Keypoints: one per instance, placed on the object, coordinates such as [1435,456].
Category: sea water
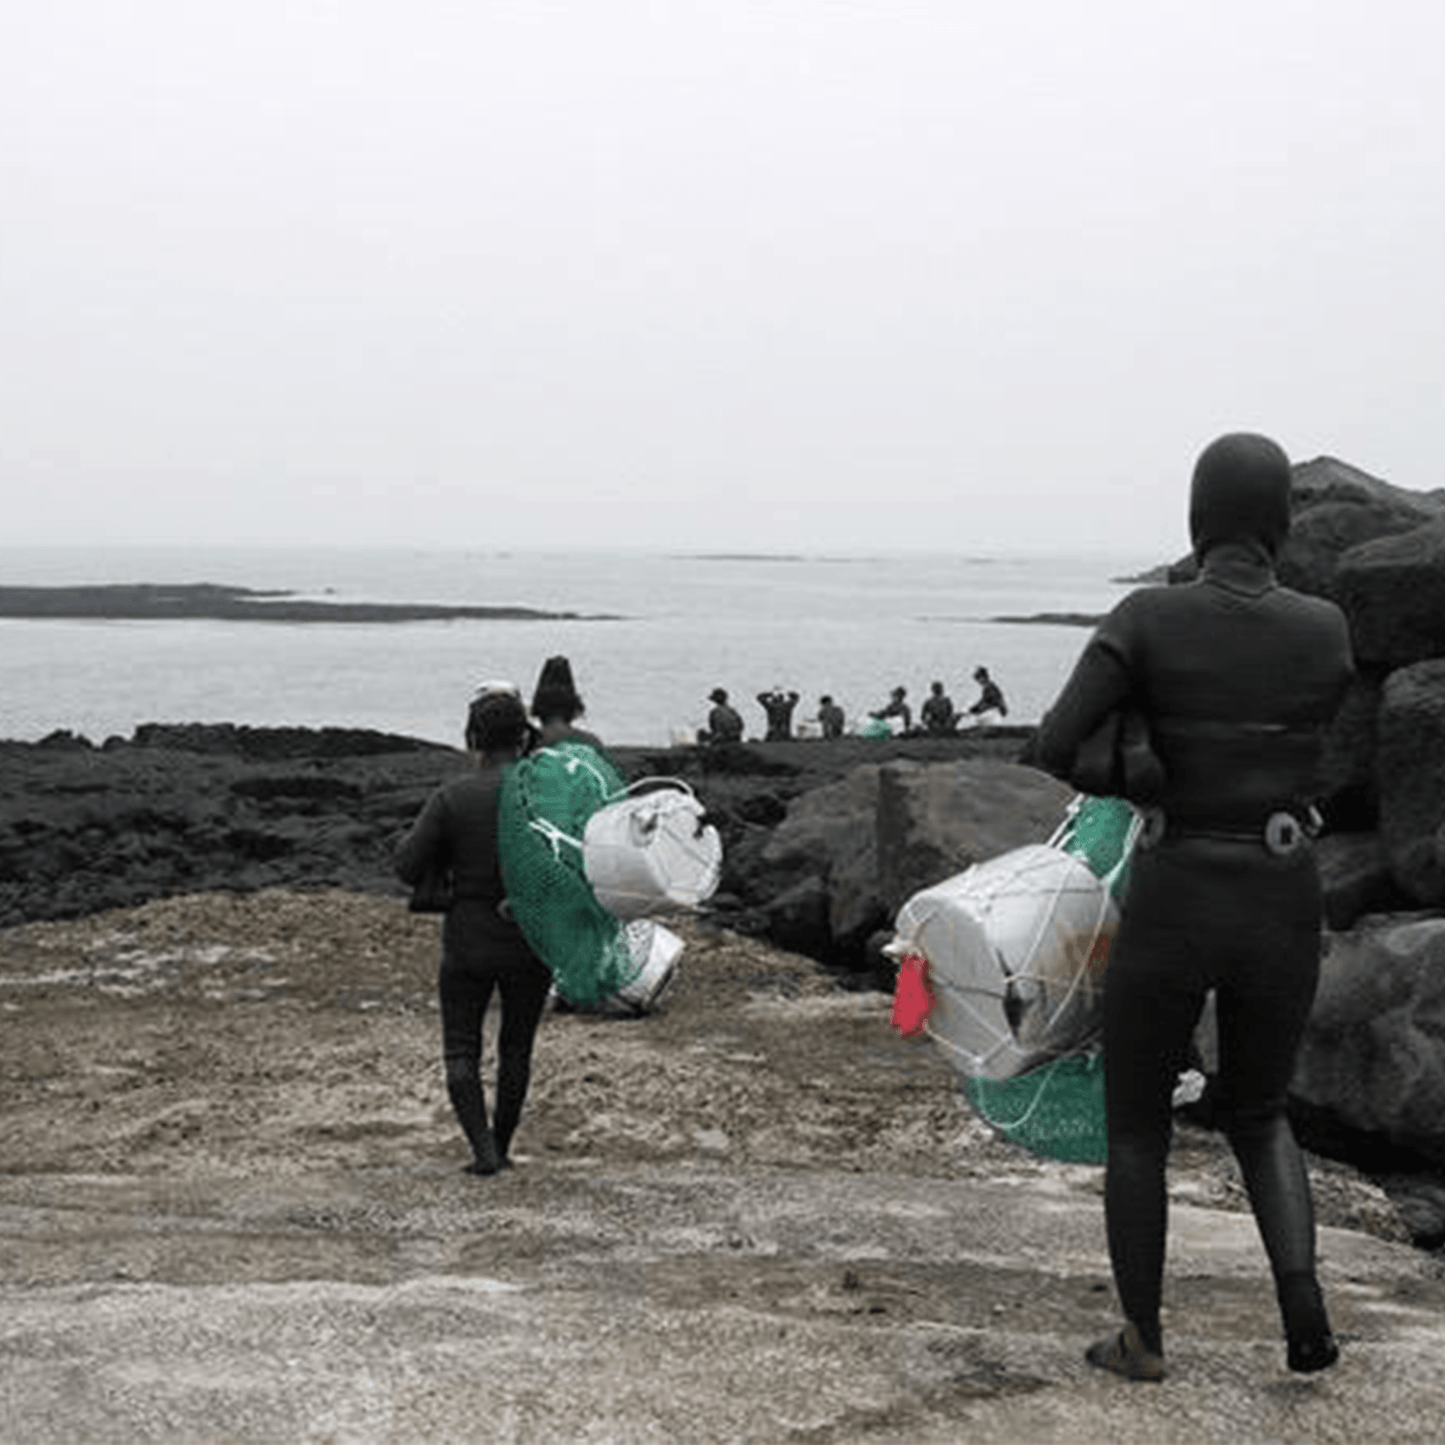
[659,632]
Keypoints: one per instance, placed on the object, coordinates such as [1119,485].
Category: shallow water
[680,626]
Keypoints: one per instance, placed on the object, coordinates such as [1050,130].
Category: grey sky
[829,276]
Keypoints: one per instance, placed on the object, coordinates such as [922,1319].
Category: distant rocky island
[148,601]
[1058,619]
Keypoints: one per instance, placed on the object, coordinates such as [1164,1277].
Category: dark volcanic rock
[1355,878]
[206,599]
[935,820]
[192,808]
[277,744]
[1347,769]
[1338,507]
[1411,768]
[1393,591]
[835,870]
[1371,1056]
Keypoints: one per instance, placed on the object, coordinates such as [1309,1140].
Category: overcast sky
[757,274]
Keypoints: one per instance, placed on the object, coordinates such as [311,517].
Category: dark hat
[556,693]
[718,694]
[495,719]
[979,673]
[1240,493]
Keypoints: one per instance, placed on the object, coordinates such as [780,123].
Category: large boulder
[849,854]
[936,820]
[1347,779]
[1410,767]
[1337,507]
[828,836]
[1355,878]
[1393,591]
[1373,1059]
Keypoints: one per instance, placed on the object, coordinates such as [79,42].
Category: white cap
[496,685]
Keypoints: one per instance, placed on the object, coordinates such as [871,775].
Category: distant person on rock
[896,707]
[557,706]
[830,717]
[482,948]
[1236,679]
[938,714]
[724,721]
[990,697]
[778,705]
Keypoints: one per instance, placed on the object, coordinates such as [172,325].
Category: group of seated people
[937,718]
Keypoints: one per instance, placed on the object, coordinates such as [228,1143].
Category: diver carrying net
[545,801]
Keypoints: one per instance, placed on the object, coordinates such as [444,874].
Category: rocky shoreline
[822,842]
[187,808]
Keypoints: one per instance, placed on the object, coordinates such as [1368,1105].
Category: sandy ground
[227,1161]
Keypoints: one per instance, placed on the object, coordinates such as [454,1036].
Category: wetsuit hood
[1240,493]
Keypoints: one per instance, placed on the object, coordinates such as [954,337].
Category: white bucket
[657,949]
[648,853]
[1016,949]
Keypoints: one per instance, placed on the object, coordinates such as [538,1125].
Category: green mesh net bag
[1101,831]
[543,806]
[1055,1110]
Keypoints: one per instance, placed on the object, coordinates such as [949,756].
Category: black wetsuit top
[725,724]
[1237,678]
[458,830]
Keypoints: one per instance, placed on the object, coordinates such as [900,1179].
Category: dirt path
[231,1208]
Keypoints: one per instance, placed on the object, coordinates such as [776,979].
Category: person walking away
[778,705]
[990,697]
[830,717]
[938,714]
[483,950]
[1236,678]
[724,721]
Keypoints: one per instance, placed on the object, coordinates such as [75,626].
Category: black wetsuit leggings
[1225,915]
[466,990]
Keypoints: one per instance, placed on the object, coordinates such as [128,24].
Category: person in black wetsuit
[779,705]
[896,706]
[1236,678]
[830,717]
[724,721]
[482,948]
[939,716]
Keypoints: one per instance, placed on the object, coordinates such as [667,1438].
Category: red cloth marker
[912,996]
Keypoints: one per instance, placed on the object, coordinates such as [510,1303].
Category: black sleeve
[424,843]
[1100,682]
